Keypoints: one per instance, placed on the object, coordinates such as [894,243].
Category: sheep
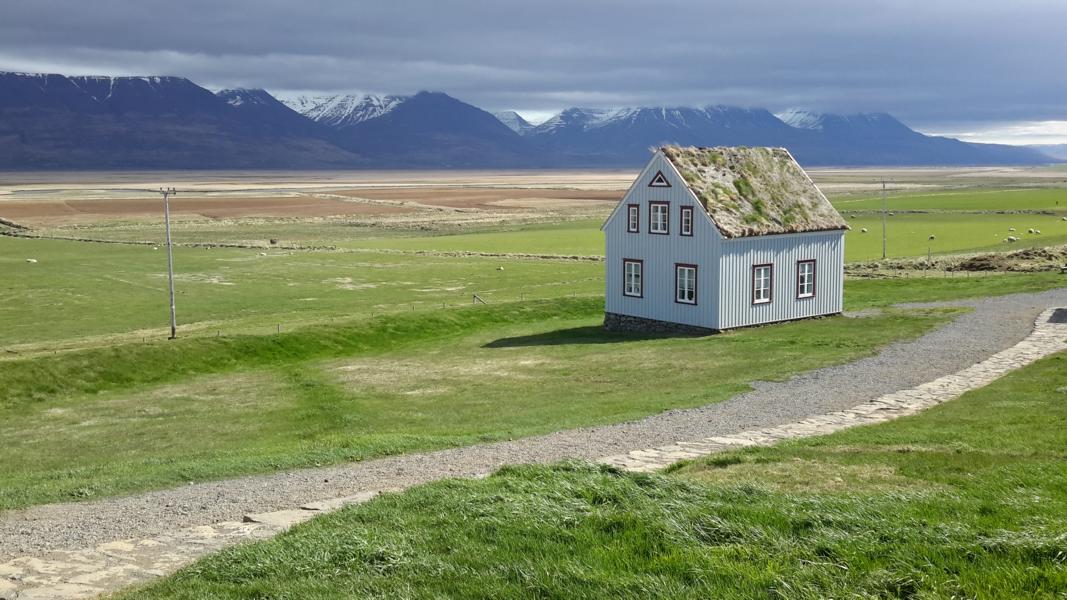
[1065,218]
[31,260]
[932,237]
[1037,231]
[1011,230]
[155,247]
[1030,231]
[1012,239]
[864,230]
[262,253]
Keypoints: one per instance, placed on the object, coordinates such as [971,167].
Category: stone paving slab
[122,563]
[114,565]
[1049,337]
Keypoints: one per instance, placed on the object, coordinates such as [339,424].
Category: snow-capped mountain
[623,135]
[800,118]
[514,121]
[256,106]
[343,110]
[813,121]
[433,129]
[52,121]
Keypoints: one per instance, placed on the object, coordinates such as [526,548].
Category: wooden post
[167,193]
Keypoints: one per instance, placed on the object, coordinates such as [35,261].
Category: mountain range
[59,122]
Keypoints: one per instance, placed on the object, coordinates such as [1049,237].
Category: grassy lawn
[1050,199]
[80,295]
[582,238]
[908,233]
[75,290]
[966,500]
[95,423]
[866,293]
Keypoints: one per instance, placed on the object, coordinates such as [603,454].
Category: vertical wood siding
[782,251]
[661,252]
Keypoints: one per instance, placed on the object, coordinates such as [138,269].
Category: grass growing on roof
[771,194]
[966,500]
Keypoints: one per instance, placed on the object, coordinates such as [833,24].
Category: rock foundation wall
[627,323]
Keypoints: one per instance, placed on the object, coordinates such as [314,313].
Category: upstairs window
[633,218]
[805,279]
[659,214]
[762,283]
[685,220]
[631,277]
[685,284]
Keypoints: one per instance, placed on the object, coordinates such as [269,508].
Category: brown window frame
[814,278]
[640,263]
[636,208]
[651,206]
[696,273]
[681,221]
[770,287]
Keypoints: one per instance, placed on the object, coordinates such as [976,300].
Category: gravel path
[995,324]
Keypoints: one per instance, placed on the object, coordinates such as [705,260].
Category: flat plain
[327,317]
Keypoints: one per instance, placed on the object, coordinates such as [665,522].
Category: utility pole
[167,193]
[885,211]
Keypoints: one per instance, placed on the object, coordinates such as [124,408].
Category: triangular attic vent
[659,180]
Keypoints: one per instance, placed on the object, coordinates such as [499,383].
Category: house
[708,239]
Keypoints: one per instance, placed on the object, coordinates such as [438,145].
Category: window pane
[761,284]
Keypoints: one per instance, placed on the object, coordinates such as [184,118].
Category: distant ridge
[50,121]
[1057,151]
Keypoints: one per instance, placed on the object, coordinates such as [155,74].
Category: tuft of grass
[977,509]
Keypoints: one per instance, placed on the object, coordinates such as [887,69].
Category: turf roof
[754,191]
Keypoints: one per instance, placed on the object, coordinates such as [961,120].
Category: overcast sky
[990,70]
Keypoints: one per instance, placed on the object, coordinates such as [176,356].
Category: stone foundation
[631,324]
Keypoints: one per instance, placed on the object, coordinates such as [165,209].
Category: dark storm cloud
[930,62]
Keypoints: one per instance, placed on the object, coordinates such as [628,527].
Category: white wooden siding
[661,252]
[782,251]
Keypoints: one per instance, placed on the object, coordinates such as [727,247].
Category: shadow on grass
[580,335]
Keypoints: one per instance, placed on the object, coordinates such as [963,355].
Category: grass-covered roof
[754,191]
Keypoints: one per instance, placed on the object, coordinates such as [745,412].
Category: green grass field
[149,416]
[582,238]
[76,290]
[975,199]
[908,234]
[966,500]
[83,295]
[296,358]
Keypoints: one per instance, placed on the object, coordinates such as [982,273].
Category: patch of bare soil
[57,212]
[488,198]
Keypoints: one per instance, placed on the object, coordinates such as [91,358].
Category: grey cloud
[932,63]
